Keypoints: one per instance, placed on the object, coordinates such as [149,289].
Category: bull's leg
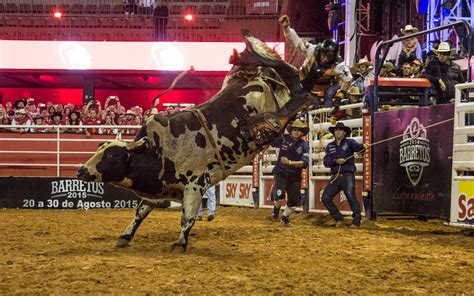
[191,201]
[143,209]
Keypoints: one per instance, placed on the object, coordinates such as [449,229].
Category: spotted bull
[177,157]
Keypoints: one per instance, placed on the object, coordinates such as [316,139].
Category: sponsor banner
[62,193]
[412,171]
[236,191]
[465,202]
[367,153]
[339,200]
[255,171]
[261,6]
[267,193]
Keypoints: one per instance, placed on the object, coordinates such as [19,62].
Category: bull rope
[383,141]
[173,84]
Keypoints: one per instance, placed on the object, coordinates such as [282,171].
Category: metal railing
[59,131]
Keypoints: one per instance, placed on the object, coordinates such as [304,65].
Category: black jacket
[450,73]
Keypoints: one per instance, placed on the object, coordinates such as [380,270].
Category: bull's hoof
[178,248]
[122,243]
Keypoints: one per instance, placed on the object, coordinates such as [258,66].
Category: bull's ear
[140,144]
[119,136]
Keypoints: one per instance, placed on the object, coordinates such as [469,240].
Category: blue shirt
[345,149]
[294,151]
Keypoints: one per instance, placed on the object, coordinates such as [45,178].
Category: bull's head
[111,162]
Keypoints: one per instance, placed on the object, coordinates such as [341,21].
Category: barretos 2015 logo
[414,151]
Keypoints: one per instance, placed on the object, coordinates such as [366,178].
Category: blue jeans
[211,202]
[346,183]
[329,94]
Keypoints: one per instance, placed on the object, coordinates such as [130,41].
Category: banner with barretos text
[412,172]
[62,193]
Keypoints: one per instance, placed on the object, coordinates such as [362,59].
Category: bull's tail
[173,84]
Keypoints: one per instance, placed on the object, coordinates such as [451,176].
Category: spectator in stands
[443,74]
[120,118]
[56,119]
[323,68]
[211,205]
[417,66]
[108,122]
[292,158]
[431,55]
[19,104]
[407,71]
[74,119]
[130,7]
[51,110]
[363,70]
[409,46]
[145,6]
[30,106]
[112,101]
[46,116]
[19,120]
[387,70]
[355,96]
[67,112]
[160,14]
[92,119]
[60,108]
[339,157]
[129,119]
[8,106]
[38,120]
[3,118]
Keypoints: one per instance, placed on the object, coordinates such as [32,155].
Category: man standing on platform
[340,158]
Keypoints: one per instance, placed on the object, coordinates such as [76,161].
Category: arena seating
[212,16]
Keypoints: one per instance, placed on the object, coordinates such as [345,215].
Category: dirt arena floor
[240,252]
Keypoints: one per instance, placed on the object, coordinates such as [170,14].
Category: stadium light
[189,17]
[58,14]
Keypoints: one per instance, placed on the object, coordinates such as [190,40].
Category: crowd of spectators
[436,65]
[23,115]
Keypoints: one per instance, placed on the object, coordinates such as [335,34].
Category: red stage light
[189,17]
[58,14]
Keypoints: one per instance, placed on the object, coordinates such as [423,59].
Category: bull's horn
[235,57]
[119,136]
[138,144]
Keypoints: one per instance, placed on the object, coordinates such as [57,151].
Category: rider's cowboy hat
[298,124]
[443,47]
[340,125]
[409,29]
[364,61]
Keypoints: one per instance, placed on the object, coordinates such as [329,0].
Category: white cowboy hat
[364,61]
[355,91]
[409,29]
[130,112]
[388,65]
[443,47]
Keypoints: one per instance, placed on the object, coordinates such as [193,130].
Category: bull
[177,157]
